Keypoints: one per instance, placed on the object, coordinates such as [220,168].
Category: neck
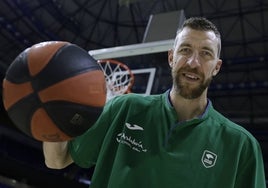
[188,108]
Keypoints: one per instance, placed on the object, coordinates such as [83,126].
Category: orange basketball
[54,91]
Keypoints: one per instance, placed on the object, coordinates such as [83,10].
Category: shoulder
[230,127]
[135,99]
[133,104]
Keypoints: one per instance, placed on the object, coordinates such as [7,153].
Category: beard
[186,89]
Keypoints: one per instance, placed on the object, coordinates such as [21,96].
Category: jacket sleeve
[251,168]
[84,149]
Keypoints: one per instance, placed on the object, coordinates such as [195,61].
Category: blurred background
[240,91]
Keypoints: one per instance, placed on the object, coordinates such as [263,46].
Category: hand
[56,154]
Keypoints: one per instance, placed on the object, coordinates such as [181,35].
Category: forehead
[197,38]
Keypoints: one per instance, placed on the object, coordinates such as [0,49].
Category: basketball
[54,91]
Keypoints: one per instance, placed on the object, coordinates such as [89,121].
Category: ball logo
[77,119]
[209,159]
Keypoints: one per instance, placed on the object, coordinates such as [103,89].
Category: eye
[206,54]
[184,51]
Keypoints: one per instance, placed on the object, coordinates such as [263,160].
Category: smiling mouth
[190,77]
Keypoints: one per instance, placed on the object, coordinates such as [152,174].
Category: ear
[170,57]
[218,67]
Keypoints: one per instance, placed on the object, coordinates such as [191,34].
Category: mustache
[190,70]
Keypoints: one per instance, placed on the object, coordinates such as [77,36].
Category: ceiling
[98,24]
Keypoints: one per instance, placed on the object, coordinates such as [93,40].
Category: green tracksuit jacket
[138,142]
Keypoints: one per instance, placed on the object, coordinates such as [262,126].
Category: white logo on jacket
[129,140]
[209,159]
[134,127]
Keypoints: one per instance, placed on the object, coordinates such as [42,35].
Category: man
[175,139]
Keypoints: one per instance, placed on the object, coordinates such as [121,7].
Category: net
[119,78]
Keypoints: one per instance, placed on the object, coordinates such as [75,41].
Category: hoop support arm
[132,50]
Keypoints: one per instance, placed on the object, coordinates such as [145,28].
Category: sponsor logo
[134,127]
[134,144]
[209,159]
[129,140]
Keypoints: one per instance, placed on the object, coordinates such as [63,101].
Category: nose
[193,61]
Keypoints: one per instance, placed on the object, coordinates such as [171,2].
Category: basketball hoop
[119,78]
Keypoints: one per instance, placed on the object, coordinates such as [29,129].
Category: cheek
[178,61]
[211,72]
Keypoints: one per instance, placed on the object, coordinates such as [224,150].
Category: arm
[251,173]
[56,154]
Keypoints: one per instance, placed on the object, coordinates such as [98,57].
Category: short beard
[185,90]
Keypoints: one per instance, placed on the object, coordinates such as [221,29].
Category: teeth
[191,76]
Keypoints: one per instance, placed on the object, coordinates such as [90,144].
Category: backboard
[145,76]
